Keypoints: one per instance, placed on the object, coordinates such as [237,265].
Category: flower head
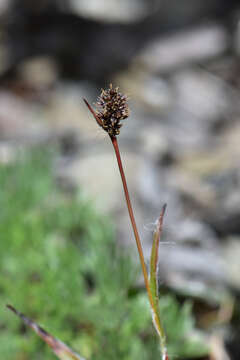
[112,108]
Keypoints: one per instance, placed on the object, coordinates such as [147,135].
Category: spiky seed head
[112,108]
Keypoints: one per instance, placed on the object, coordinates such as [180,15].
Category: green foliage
[184,340]
[59,264]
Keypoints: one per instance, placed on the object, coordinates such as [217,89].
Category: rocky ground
[180,145]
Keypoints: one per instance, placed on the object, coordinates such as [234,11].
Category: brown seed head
[112,108]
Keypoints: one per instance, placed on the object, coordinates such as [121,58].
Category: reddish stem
[137,237]
[132,218]
[130,210]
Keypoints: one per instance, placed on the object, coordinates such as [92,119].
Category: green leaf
[183,337]
[154,257]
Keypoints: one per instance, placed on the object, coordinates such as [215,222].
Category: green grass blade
[62,351]
[153,283]
[154,256]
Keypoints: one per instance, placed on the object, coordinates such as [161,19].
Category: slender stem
[156,317]
[154,307]
[137,237]
[130,210]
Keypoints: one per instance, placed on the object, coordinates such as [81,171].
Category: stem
[130,211]
[140,251]
[153,304]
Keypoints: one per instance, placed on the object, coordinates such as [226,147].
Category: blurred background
[65,234]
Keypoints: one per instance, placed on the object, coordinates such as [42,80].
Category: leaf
[62,351]
[153,285]
[154,257]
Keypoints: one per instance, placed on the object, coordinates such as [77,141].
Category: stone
[184,47]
